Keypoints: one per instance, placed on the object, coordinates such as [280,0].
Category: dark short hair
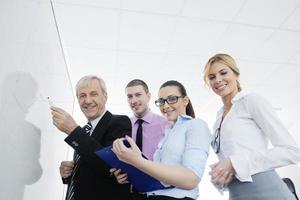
[136,82]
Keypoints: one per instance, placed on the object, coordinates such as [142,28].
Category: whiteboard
[32,68]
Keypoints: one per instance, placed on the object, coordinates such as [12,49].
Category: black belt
[136,195]
[162,197]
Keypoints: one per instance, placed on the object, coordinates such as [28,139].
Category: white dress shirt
[95,122]
[245,132]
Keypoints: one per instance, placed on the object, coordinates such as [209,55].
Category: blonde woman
[244,126]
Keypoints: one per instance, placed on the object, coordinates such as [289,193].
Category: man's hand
[63,120]
[66,168]
[121,177]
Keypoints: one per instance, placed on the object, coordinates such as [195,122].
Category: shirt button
[75,143]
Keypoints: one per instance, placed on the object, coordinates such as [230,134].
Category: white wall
[32,68]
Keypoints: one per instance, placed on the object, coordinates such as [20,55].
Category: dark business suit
[92,180]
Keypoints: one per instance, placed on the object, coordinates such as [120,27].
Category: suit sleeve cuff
[66,180]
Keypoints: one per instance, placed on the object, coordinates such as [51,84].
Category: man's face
[92,100]
[138,100]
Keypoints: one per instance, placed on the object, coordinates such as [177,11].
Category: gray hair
[86,80]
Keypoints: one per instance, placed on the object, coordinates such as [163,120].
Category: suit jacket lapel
[102,126]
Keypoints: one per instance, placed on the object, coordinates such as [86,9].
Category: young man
[88,177]
[138,97]
[152,125]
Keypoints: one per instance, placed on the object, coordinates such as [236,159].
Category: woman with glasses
[180,158]
[244,126]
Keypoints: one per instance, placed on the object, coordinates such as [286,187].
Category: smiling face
[172,111]
[91,99]
[138,100]
[222,80]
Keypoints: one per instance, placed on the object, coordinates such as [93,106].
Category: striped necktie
[76,157]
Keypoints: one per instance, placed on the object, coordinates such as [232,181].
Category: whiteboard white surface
[32,67]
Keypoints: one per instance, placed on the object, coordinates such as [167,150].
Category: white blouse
[245,132]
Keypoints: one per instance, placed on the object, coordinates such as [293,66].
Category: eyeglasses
[169,100]
[216,142]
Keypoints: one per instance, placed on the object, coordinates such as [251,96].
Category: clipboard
[139,180]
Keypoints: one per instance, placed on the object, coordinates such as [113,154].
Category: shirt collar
[95,121]
[183,118]
[148,117]
[180,119]
[237,97]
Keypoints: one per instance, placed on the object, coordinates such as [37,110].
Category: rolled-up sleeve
[198,139]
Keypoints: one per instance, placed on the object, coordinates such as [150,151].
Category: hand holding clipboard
[140,180]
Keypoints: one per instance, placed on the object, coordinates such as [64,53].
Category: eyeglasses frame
[166,100]
[217,140]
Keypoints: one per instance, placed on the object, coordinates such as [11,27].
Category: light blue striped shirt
[185,143]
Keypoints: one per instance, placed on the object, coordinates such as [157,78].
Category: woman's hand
[130,155]
[222,173]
